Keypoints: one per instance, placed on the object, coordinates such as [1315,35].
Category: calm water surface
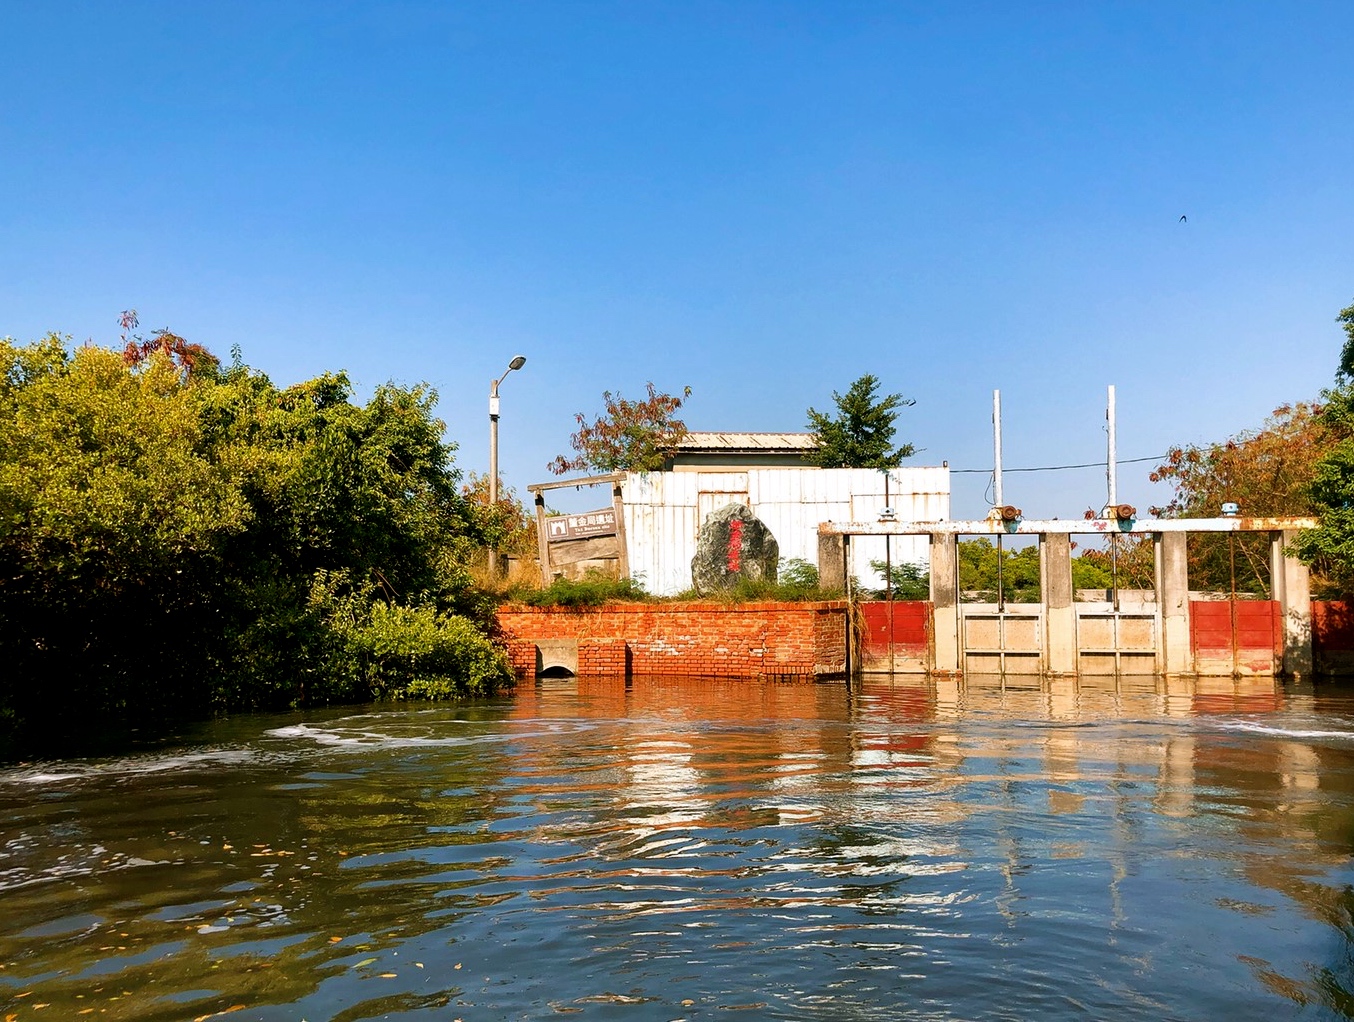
[682,850]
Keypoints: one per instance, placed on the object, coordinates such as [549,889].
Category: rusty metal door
[1236,637]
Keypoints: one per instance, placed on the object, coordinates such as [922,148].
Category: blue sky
[760,200]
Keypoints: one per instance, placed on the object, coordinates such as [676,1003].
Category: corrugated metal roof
[746,442]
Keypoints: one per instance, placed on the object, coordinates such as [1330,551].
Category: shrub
[389,651]
[593,590]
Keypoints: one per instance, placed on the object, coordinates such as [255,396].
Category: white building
[767,471]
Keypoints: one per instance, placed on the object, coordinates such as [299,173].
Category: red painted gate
[895,635]
[1236,636]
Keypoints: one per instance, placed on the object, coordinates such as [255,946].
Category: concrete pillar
[1291,583]
[1174,654]
[1060,612]
[832,562]
[947,655]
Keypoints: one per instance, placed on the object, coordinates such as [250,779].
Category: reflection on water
[668,849]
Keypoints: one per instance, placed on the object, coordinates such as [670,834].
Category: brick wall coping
[627,607]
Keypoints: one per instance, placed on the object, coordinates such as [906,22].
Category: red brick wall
[743,640]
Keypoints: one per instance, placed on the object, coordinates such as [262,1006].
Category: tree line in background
[180,536]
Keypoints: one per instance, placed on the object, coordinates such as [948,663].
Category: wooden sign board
[562,528]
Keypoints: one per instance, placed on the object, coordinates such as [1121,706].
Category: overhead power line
[1055,468]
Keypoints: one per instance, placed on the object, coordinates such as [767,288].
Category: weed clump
[796,582]
[593,590]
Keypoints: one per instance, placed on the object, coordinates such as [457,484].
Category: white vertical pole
[996,445]
[1110,471]
[996,489]
[1112,454]
[493,467]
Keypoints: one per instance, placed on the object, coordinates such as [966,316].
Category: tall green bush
[166,520]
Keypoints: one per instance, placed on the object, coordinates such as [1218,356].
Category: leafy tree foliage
[188,356]
[1330,547]
[861,434]
[630,436]
[1129,562]
[978,561]
[178,538]
[507,526]
[1267,471]
[1345,374]
[907,581]
[1020,579]
[1300,462]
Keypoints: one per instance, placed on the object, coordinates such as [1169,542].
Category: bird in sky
[1183,218]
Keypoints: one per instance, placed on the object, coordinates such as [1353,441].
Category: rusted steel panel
[901,624]
[896,636]
[743,441]
[1235,636]
[1210,627]
[1333,626]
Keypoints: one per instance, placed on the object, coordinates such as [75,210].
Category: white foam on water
[131,766]
[1254,727]
[355,734]
[340,735]
[358,738]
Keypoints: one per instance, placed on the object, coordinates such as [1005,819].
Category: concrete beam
[1068,527]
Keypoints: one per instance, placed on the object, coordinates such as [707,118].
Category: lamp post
[517,363]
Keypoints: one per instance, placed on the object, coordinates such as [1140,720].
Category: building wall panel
[663,512]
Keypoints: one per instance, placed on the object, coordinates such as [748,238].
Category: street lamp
[517,363]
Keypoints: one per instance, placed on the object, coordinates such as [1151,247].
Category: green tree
[1266,471]
[1128,562]
[630,436]
[508,526]
[1329,548]
[978,566]
[861,434]
[907,581]
[178,537]
[1345,374]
